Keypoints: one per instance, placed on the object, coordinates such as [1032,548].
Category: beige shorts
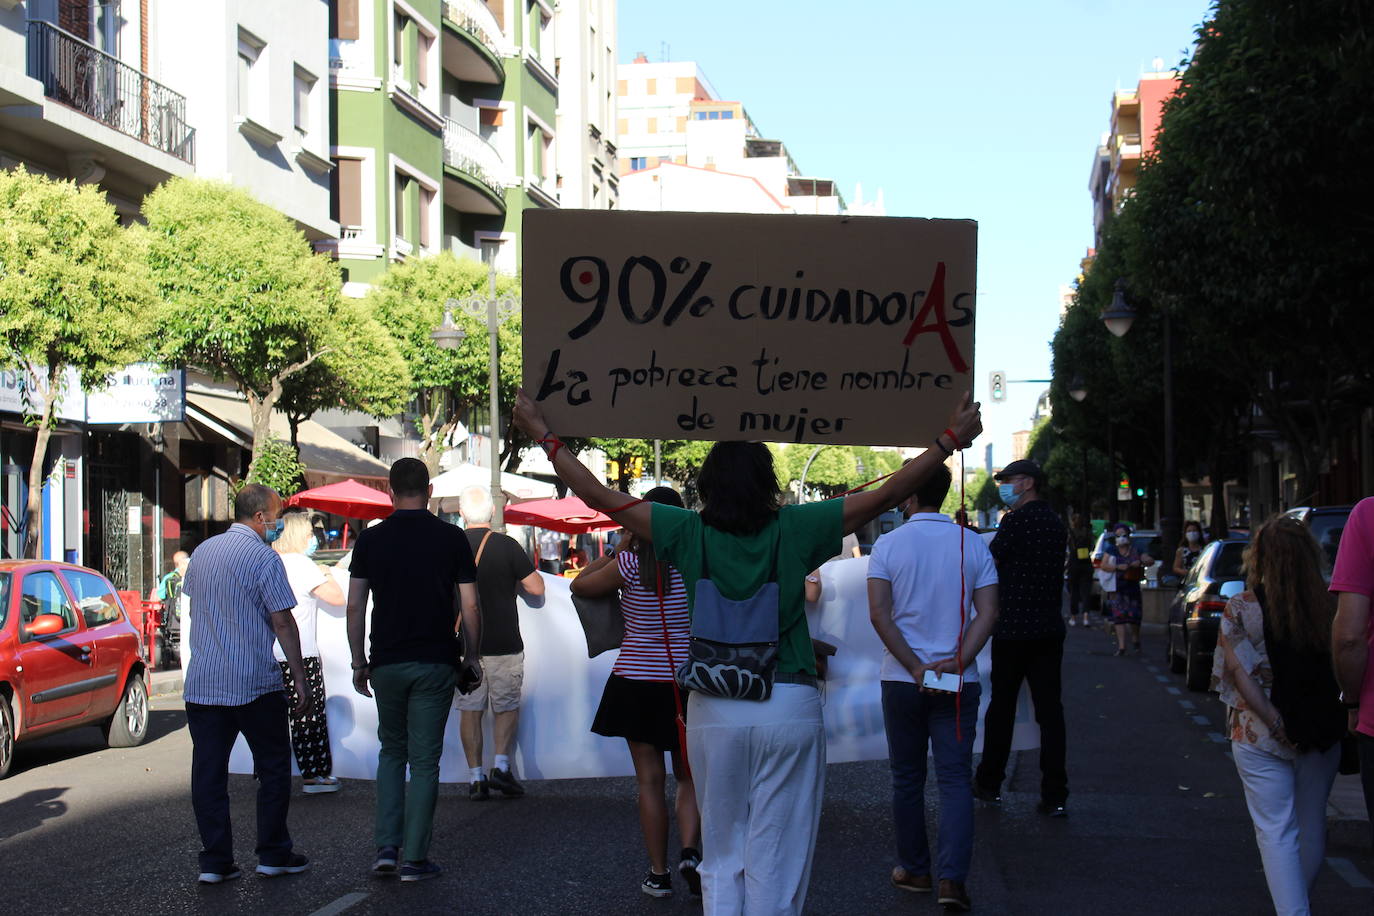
[502,676]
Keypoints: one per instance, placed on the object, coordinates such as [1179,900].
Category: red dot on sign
[584,277]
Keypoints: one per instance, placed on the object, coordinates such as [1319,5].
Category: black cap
[1024,467]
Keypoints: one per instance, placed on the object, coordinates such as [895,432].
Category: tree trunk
[261,412]
[33,523]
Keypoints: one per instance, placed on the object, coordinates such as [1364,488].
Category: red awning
[347,498]
[569,515]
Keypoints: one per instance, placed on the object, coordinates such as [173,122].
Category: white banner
[563,688]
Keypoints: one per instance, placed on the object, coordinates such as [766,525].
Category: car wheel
[129,724]
[1198,674]
[1177,661]
[6,737]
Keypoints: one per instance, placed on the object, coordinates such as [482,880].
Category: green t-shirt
[740,564]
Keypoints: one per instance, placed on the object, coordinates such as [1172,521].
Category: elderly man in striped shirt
[243,603]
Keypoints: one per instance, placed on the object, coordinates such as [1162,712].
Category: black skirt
[642,711]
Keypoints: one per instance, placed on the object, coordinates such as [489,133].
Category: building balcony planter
[105,89]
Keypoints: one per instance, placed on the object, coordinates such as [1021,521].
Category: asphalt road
[1157,825]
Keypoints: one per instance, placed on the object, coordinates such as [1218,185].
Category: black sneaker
[420,871]
[985,795]
[479,790]
[656,885]
[385,863]
[691,861]
[504,781]
[293,865]
[219,876]
[1052,810]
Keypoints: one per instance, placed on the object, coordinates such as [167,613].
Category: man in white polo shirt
[914,602]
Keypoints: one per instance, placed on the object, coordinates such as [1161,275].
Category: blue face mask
[273,531]
[312,546]
[1006,492]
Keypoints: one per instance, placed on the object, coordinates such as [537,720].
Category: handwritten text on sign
[734,326]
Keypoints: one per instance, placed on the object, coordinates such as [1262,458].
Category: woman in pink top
[639,704]
[1352,635]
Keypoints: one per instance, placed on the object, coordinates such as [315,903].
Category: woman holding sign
[755,737]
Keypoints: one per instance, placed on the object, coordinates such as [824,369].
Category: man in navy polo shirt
[243,604]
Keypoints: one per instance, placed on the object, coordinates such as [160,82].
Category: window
[304,85]
[94,596]
[727,115]
[426,208]
[251,68]
[42,594]
[343,16]
[346,193]
[636,163]
[398,47]
[714,116]
[701,116]
[4,597]
[403,183]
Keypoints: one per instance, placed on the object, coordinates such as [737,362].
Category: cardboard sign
[823,329]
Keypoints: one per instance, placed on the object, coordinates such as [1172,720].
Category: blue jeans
[915,721]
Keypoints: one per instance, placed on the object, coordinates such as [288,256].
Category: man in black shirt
[411,563]
[503,569]
[1028,643]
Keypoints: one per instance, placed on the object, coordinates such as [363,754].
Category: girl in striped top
[639,703]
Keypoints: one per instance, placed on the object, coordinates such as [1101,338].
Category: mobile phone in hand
[947,682]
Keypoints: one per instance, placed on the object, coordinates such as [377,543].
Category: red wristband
[551,444]
[953,438]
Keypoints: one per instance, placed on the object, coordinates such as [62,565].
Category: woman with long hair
[1273,670]
[758,764]
[640,703]
[311,583]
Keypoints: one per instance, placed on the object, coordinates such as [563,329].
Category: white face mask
[1193,536]
[1123,541]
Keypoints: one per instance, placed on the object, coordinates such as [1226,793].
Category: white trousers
[1287,801]
[759,770]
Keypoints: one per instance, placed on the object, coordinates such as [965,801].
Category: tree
[74,295]
[279,467]
[409,302]
[246,298]
[364,373]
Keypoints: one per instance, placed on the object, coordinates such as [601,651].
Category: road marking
[338,906]
[1162,678]
[1201,720]
[1218,737]
[1347,870]
[1152,669]
[1172,691]
[1187,704]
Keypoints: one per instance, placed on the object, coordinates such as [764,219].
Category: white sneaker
[320,784]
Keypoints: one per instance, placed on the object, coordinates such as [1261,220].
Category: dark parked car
[1195,615]
[1326,524]
[69,656]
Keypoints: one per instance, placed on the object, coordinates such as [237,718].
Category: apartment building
[588,162]
[684,147]
[1130,138]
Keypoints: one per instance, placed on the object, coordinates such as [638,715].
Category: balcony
[472,50]
[474,170]
[105,89]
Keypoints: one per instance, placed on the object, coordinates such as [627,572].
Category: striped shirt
[644,652]
[237,584]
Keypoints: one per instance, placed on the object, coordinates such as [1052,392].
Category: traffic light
[1125,482]
[1139,491]
[636,467]
[997,385]
[613,471]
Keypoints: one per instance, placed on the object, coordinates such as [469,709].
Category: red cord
[963,612]
[551,444]
[672,663]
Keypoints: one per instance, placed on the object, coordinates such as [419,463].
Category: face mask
[1006,492]
[273,531]
[1123,541]
[1193,536]
[312,546]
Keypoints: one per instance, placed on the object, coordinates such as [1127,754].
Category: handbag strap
[672,663]
[481,547]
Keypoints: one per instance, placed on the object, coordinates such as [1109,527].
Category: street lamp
[444,336]
[1077,389]
[1118,318]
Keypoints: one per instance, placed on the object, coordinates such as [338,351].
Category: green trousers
[413,700]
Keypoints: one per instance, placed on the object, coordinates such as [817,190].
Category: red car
[69,656]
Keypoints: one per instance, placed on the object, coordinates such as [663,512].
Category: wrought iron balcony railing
[105,89]
[467,151]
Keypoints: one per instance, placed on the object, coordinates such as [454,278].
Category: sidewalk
[1347,819]
[165,683]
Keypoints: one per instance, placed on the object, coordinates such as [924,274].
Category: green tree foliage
[74,294]
[409,302]
[279,467]
[247,299]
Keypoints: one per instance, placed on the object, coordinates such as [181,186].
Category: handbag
[733,648]
[602,621]
[469,678]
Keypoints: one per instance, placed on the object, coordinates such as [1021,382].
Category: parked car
[1195,615]
[69,656]
[1326,524]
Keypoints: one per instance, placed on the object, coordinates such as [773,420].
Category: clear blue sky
[960,109]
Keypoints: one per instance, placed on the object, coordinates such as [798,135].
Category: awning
[327,456]
[450,484]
